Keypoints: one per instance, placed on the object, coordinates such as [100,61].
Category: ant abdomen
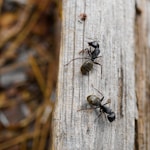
[86,67]
[93,100]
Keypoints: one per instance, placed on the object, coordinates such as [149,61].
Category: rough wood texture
[142,73]
[112,23]
[147,104]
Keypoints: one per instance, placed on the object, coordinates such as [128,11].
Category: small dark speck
[82,17]
[88,130]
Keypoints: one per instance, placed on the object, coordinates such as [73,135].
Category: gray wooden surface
[111,22]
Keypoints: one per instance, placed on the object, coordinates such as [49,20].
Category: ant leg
[105,116]
[89,52]
[75,59]
[88,108]
[108,102]
[84,50]
[98,115]
[98,57]
[98,92]
[98,64]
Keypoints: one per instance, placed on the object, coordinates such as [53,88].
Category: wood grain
[147,103]
[112,24]
[142,74]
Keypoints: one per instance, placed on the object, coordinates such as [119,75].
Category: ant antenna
[97,90]
[95,39]
[83,50]
[88,108]
[75,59]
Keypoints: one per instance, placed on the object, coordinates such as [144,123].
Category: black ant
[96,102]
[93,54]
[88,65]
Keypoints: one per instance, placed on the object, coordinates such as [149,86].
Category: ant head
[94,44]
[111,117]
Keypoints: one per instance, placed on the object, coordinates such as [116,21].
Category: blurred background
[29,51]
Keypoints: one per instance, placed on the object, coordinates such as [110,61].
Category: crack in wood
[120,93]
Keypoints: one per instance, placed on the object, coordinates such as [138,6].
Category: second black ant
[88,65]
[96,102]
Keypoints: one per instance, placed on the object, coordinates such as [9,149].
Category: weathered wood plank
[142,74]
[112,23]
[147,104]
